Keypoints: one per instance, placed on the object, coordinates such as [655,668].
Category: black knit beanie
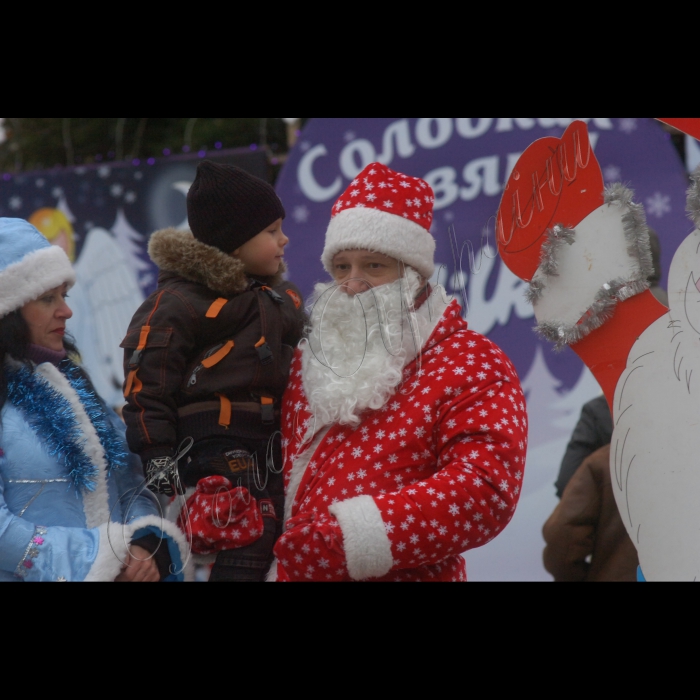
[226,206]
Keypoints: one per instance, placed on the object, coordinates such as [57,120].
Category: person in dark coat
[206,361]
[586,539]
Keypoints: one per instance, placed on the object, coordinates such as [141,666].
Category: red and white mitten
[218,516]
[311,549]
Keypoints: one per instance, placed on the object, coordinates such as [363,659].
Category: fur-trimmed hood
[180,252]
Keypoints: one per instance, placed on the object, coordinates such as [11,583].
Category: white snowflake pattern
[627,125]
[658,204]
[427,492]
[612,173]
[301,214]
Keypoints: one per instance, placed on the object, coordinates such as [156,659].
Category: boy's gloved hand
[162,476]
[311,549]
[218,516]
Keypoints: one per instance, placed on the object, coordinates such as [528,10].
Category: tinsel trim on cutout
[634,223]
[52,418]
[692,205]
[554,238]
[607,297]
[637,237]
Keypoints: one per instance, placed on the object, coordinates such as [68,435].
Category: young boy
[207,357]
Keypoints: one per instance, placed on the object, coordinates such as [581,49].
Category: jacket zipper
[193,377]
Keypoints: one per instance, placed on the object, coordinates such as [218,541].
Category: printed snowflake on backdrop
[138,175]
[130,197]
[57,192]
[116,190]
[304,146]
[658,204]
[15,202]
[301,214]
[627,125]
[104,171]
[40,182]
[612,173]
[449,216]
[349,136]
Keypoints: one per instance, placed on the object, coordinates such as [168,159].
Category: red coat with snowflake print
[435,472]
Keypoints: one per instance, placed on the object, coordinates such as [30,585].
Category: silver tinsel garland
[637,238]
[692,205]
[635,226]
[554,238]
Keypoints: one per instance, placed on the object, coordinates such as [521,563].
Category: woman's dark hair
[15,341]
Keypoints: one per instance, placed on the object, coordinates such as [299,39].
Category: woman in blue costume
[73,506]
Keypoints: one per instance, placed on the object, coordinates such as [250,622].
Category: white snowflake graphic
[57,192]
[449,216]
[304,145]
[40,182]
[612,173]
[658,204]
[130,197]
[301,214]
[627,125]
[349,136]
[116,190]
[104,171]
[15,202]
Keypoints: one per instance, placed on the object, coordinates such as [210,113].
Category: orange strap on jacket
[143,338]
[218,355]
[216,307]
[260,342]
[131,380]
[224,411]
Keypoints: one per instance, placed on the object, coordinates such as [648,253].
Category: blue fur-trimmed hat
[29,265]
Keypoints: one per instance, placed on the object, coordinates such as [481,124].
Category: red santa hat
[385,212]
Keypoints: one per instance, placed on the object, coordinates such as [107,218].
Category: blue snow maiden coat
[71,495]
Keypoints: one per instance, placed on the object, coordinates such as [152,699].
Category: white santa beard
[358,347]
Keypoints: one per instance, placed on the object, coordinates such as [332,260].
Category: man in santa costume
[404,432]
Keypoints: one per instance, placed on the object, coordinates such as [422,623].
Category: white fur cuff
[171,530]
[367,547]
[32,276]
[112,553]
[381,232]
[114,547]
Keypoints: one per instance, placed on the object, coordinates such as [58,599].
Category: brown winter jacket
[217,352]
[586,538]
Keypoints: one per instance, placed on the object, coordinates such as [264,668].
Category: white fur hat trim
[32,276]
[370,229]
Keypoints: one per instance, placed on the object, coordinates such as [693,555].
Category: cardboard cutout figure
[584,249]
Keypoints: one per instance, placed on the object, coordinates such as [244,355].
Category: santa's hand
[311,549]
